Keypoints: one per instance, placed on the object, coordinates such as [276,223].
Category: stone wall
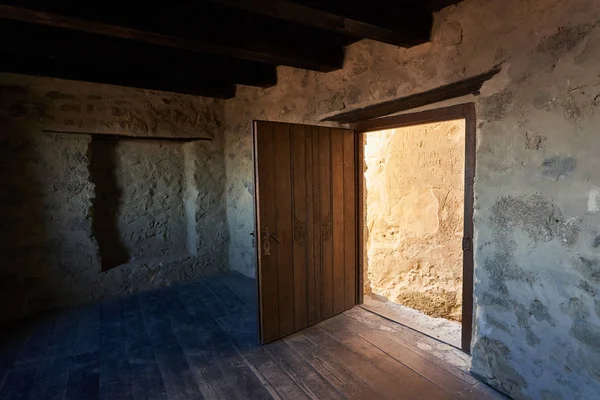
[537,211]
[138,209]
[160,204]
[414,184]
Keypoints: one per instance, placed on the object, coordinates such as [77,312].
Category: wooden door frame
[256,233]
[464,111]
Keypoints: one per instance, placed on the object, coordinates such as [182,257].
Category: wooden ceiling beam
[42,51]
[436,5]
[78,69]
[42,41]
[409,17]
[199,29]
[418,31]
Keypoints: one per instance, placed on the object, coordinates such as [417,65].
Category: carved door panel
[306,225]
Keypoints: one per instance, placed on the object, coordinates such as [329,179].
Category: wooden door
[306,232]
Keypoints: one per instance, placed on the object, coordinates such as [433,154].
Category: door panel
[326,219]
[337,188]
[283,227]
[309,225]
[317,310]
[306,225]
[349,221]
[269,288]
[298,140]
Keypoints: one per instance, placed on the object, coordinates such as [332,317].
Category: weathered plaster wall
[152,218]
[414,210]
[170,215]
[205,203]
[537,258]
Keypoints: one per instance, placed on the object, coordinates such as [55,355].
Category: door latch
[267,242]
[467,244]
[268,234]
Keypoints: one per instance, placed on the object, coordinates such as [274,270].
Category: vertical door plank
[267,266]
[349,219]
[337,177]
[310,225]
[360,214]
[283,231]
[317,235]
[298,144]
[326,219]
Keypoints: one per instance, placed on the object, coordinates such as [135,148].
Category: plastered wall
[71,200]
[537,211]
[414,199]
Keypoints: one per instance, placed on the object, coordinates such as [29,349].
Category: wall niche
[138,210]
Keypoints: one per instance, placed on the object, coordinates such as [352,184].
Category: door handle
[274,238]
[270,235]
[267,242]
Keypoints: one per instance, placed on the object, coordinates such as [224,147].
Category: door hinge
[467,244]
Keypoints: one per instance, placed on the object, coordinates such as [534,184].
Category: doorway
[416,201]
[311,220]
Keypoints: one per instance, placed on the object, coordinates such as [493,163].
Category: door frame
[255,234]
[464,111]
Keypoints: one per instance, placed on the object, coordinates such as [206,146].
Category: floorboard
[115,378]
[241,378]
[243,287]
[391,384]
[83,383]
[11,346]
[331,369]
[87,339]
[404,345]
[51,380]
[199,340]
[19,382]
[442,378]
[447,355]
[304,374]
[175,371]
[146,380]
[34,348]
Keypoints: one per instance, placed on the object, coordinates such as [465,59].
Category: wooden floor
[198,340]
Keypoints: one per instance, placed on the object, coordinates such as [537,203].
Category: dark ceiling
[201,47]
